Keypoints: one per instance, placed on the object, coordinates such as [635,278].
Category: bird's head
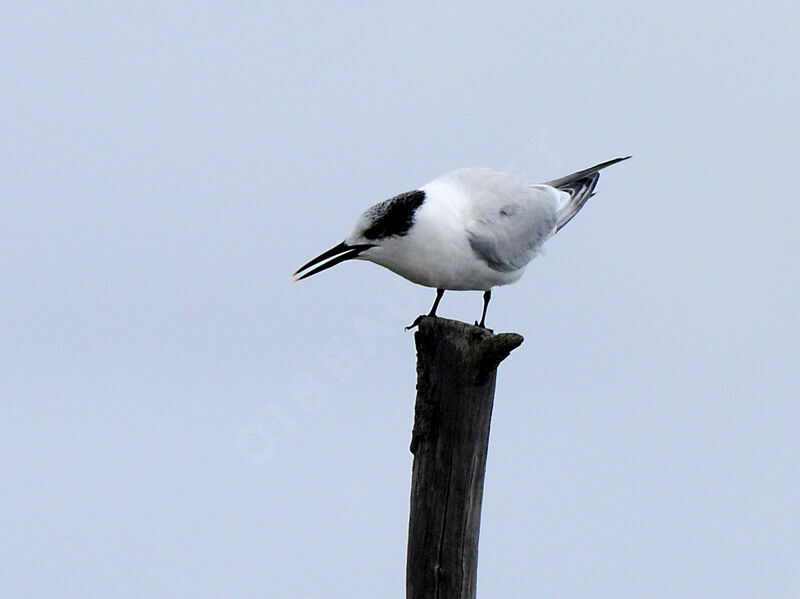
[389,219]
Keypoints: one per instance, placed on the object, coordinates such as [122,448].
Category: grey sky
[180,419]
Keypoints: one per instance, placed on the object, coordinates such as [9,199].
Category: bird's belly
[443,267]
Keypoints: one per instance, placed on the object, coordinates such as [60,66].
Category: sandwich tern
[469,229]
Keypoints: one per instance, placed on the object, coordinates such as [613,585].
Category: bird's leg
[487,295]
[439,294]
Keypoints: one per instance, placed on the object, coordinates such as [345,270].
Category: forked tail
[580,187]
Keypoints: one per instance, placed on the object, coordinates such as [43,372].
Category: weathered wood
[456,370]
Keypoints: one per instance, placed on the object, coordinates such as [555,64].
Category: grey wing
[511,221]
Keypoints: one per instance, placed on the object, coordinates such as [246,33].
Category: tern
[471,229]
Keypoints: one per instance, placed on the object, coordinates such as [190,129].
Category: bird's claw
[483,326]
[416,322]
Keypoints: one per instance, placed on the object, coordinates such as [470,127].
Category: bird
[470,229]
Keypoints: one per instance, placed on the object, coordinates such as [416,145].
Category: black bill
[337,254]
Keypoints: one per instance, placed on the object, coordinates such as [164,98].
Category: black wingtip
[585,172]
[608,163]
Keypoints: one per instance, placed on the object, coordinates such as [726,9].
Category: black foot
[432,313]
[417,320]
[480,324]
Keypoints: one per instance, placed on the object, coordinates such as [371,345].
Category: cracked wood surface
[456,372]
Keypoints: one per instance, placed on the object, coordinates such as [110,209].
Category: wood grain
[456,371]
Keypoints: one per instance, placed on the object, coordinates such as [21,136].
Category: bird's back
[506,219]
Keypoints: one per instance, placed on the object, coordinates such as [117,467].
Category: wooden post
[456,370]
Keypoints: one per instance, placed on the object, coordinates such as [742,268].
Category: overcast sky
[180,419]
